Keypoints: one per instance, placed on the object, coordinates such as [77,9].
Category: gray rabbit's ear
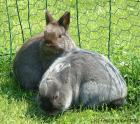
[43,89]
[65,20]
[48,17]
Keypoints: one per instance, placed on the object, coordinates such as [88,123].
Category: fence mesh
[111,27]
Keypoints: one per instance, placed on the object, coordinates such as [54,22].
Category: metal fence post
[109,29]
[78,28]
[10,33]
[29,18]
[20,21]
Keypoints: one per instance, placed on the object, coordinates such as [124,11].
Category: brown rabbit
[36,55]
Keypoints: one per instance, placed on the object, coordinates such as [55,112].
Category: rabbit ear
[42,89]
[48,17]
[65,20]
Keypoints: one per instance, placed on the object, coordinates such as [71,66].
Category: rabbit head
[54,97]
[56,36]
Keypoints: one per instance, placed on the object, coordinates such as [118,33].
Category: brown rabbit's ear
[65,20]
[48,17]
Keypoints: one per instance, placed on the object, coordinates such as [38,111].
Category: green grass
[20,106]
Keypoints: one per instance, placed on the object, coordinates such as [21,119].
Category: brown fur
[38,53]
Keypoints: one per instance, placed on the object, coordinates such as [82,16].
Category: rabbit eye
[60,36]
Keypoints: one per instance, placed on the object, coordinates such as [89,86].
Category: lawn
[93,19]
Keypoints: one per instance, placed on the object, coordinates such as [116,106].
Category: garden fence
[111,27]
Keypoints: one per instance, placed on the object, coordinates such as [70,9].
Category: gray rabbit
[80,77]
[36,55]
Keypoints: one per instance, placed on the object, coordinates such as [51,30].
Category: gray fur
[91,78]
[36,55]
